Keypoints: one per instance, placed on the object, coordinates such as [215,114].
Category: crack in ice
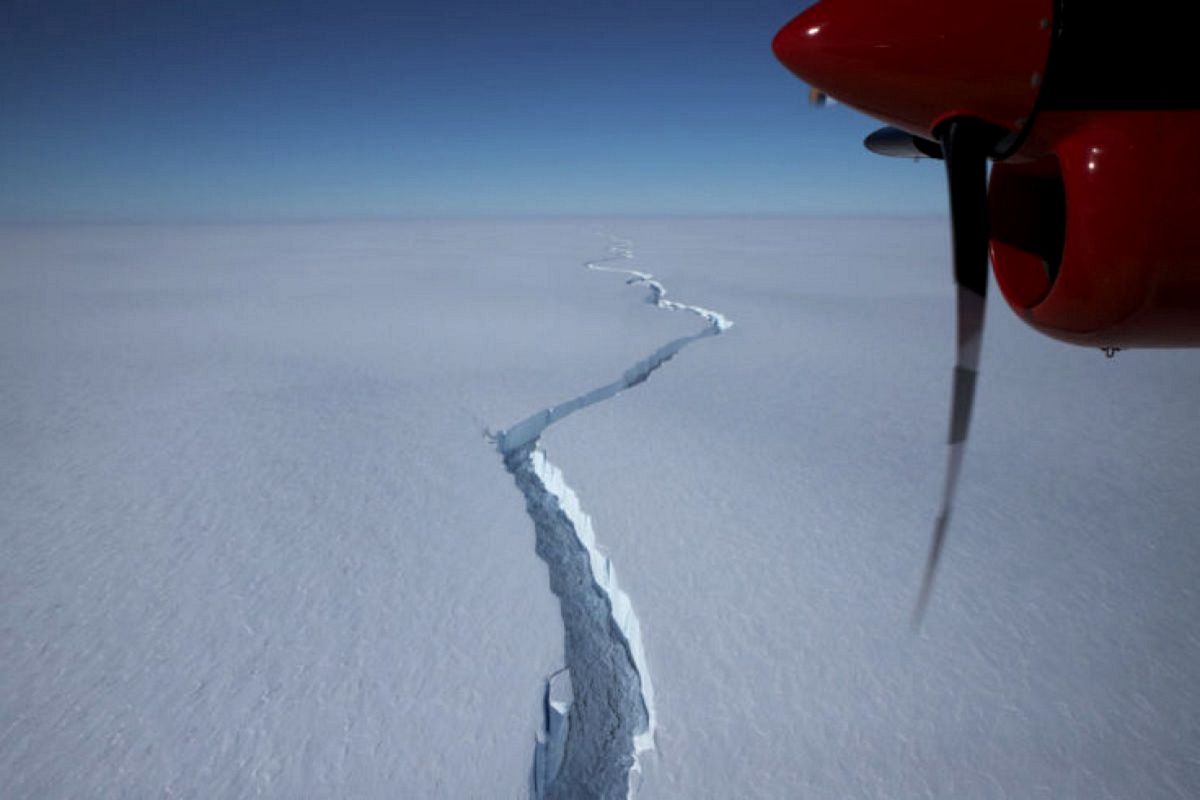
[531,428]
[599,709]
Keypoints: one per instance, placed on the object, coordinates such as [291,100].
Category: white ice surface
[768,498]
[253,540]
[254,543]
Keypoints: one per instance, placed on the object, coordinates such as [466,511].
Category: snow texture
[254,545]
[769,500]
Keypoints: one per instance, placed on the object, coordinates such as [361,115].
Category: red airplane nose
[915,63]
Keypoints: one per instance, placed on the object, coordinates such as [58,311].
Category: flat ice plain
[255,542]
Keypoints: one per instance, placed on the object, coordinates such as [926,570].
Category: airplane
[1089,113]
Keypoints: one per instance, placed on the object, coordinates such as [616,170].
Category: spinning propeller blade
[966,146]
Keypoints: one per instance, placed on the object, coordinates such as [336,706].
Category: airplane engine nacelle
[1095,228]
[917,63]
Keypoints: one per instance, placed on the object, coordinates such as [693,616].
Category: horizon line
[86,222]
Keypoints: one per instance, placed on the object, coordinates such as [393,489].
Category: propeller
[936,69]
[965,145]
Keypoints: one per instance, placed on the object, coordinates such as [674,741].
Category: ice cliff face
[598,710]
[608,714]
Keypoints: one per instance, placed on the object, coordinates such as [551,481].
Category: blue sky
[144,110]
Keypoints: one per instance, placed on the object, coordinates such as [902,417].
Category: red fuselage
[1094,193]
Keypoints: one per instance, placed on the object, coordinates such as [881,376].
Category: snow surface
[255,543]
